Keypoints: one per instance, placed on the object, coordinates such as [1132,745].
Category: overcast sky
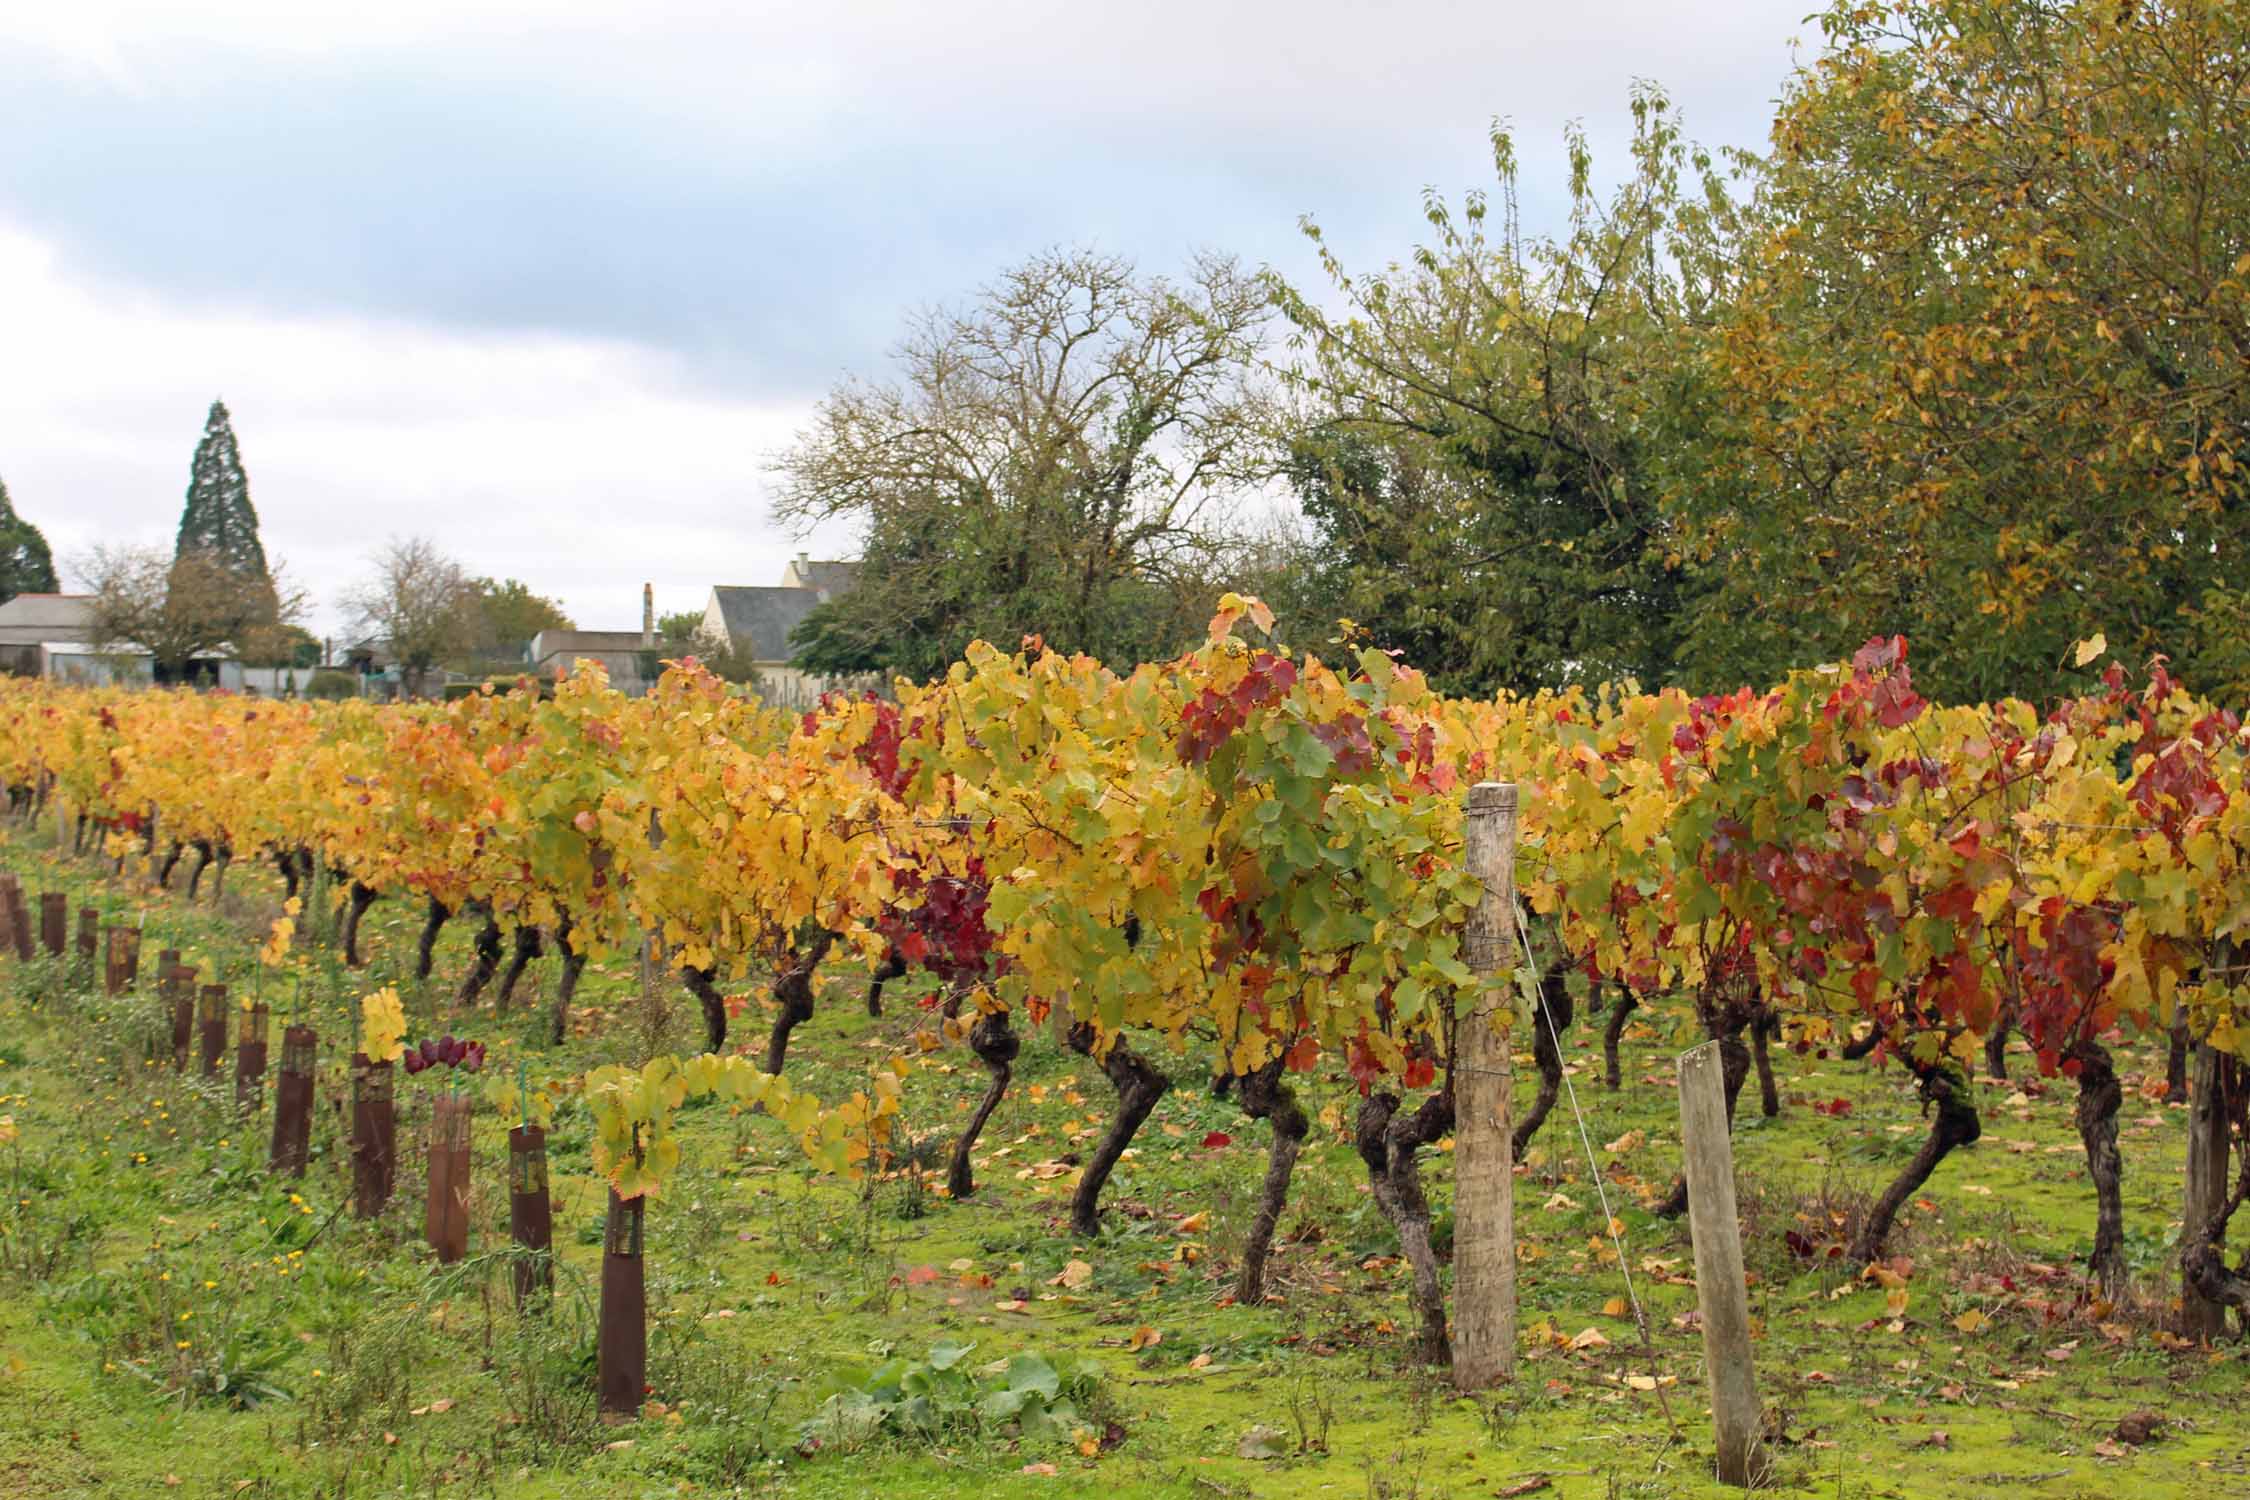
[549,282]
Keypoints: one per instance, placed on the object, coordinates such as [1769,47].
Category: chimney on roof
[648,617]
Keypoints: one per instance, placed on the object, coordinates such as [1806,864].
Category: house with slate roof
[753,621]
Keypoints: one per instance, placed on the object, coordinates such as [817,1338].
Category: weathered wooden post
[54,922]
[1484,1198]
[1720,1299]
[89,934]
[2201,1318]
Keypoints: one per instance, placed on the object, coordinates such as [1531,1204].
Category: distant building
[53,635]
[753,622]
[629,656]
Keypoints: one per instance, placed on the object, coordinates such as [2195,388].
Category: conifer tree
[26,566]
[218,519]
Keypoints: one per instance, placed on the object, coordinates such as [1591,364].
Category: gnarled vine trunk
[702,984]
[2221,1115]
[2099,1098]
[1614,1032]
[526,948]
[202,860]
[1762,1031]
[892,967]
[484,956]
[566,987]
[1139,1086]
[434,918]
[1724,1024]
[362,897]
[1266,1095]
[995,1044]
[793,989]
[1956,1124]
[1556,1014]
[171,862]
[1388,1143]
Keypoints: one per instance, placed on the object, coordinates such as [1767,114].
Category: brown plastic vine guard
[19,917]
[292,1101]
[530,1213]
[54,922]
[250,1061]
[175,984]
[445,1214]
[621,1339]
[214,1027]
[374,1136]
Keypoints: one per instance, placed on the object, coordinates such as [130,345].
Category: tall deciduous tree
[218,519]
[26,566]
[1988,378]
[512,613]
[1486,430]
[1059,458]
[420,605]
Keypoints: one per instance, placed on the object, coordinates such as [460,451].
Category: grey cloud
[766,203]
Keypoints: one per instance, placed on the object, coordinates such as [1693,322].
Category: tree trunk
[1558,1013]
[2203,1238]
[700,983]
[284,862]
[1138,1086]
[2206,1191]
[1266,1095]
[484,959]
[2176,1062]
[1996,1049]
[2099,1098]
[892,967]
[996,1045]
[795,992]
[202,859]
[1956,1125]
[1614,1032]
[222,859]
[362,897]
[171,861]
[1762,1031]
[1387,1143]
[425,947]
[526,948]
[566,987]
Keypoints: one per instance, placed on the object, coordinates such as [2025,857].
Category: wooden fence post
[2201,1318]
[1719,1294]
[1484,1197]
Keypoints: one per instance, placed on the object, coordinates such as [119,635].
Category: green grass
[330,1357]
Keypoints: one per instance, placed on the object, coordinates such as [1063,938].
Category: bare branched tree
[181,609]
[1057,457]
[420,604]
